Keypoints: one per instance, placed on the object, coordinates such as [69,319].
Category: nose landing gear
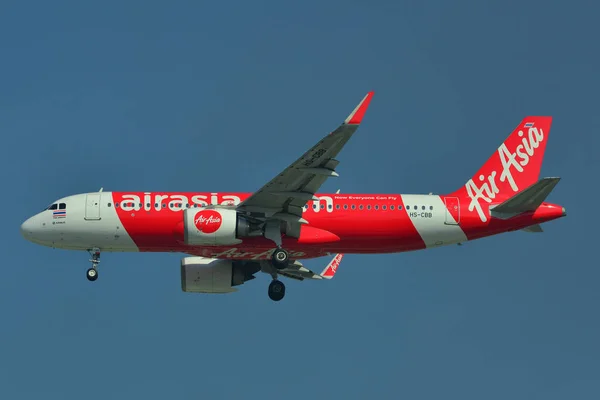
[92,273]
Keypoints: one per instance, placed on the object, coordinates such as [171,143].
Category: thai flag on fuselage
[59,214]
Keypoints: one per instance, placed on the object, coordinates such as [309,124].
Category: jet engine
[213,227]
[210,275]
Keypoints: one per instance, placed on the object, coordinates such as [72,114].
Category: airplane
[229,237]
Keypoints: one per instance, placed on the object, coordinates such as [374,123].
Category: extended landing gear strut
[92,273]
[280,257]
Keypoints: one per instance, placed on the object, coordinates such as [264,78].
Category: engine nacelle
[210,275]
[213,227]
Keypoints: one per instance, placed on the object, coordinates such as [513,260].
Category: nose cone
[28,228]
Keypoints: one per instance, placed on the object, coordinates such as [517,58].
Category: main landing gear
[280,258]
[276,290]
[92,273]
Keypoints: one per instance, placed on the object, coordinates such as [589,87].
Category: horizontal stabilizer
[527,200]
[537,228]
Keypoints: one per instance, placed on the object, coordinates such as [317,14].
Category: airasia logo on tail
[208,221]
[511,163]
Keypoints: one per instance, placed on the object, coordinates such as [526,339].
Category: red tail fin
[513,167]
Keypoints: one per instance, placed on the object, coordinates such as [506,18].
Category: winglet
[357,115]
[332,267]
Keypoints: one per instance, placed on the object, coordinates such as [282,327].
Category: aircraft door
[452,211]
[92,206]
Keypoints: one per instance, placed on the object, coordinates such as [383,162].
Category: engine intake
[213,227]
[210,275]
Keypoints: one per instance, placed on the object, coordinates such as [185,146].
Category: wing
[280,202]
[299,272]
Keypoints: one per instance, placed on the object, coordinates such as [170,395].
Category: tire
[276,290]
[280,258]
[92,274]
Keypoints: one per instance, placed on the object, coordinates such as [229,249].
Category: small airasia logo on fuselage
[208,221]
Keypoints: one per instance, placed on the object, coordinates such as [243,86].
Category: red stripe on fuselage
[152,220]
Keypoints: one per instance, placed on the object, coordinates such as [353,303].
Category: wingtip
[332,267]
[356,117]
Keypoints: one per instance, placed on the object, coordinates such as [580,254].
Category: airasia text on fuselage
[148,201]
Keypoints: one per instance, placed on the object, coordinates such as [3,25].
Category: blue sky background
[220,96]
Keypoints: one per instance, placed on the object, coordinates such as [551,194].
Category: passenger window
[116,204]
[322,206]
[329,206]
[314,206]
[337,206]
[399,207]
[369,207]
[345,206]
[164,205]
[422,208]
[360,207]
[391,207]
[384,207]
[431,207]
[109,204]
[62,206]
[377,207]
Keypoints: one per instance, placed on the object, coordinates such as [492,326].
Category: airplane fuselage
[336,223]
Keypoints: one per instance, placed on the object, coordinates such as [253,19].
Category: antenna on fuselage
[101,189]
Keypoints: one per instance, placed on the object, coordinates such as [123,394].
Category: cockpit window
[57,206]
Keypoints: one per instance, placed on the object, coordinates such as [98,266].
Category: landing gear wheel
[92,274]
[276,290]
[280,258]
